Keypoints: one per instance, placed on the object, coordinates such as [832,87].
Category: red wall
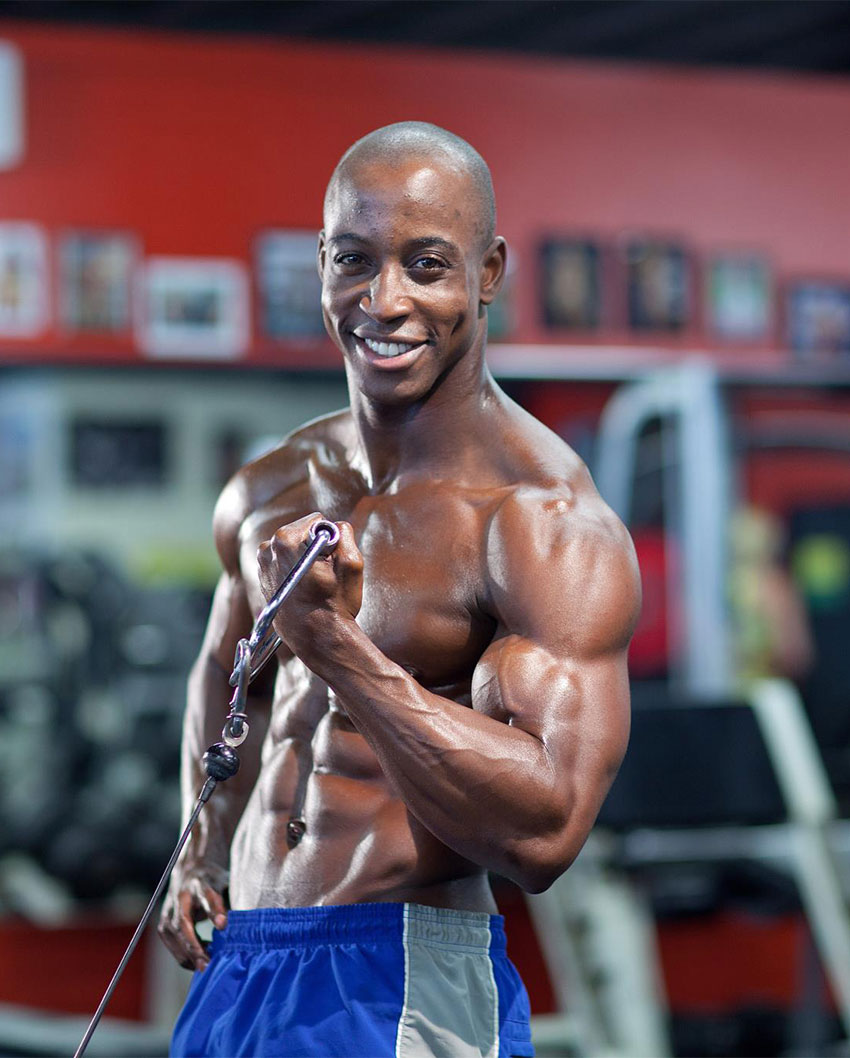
[198,142]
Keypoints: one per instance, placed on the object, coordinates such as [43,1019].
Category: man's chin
[395,383]
[392,392]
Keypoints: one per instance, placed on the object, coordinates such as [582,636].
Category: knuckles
[287,542]
[335,577]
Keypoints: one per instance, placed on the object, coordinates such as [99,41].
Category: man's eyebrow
[431,240]
[420,243]
[347,236]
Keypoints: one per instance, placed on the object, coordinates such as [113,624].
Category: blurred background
[672,180]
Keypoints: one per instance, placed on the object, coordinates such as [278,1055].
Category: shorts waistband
[293,927]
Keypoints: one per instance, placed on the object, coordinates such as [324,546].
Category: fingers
[294,534]
[333,584]
[177,923]
[177,930]
[194,951]
[347,548]
[277,555]
[285,545]
[214,906]
[348,569]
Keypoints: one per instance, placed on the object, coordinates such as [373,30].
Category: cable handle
[329,529]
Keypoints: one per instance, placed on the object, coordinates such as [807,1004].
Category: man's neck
[427,438]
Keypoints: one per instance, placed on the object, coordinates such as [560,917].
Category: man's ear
[493,269]
[321,253]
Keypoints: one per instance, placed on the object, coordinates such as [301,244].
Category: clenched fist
[333,586]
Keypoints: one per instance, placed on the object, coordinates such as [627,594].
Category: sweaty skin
[451,696]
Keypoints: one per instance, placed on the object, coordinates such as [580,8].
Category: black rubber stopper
[221,762]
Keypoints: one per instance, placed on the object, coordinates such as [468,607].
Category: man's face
[404,274]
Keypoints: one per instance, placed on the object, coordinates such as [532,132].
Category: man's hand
[195,895]
[334,584]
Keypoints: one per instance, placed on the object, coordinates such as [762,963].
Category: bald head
[418,139]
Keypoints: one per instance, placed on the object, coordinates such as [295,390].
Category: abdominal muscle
[360,845]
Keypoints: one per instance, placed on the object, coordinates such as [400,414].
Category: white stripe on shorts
[451,1006]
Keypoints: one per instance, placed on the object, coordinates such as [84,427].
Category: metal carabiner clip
[236,727]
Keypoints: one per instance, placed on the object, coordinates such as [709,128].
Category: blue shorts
[357,981]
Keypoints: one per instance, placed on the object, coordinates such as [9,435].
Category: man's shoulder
[542,472]
[553,523]
[559,509]
[327,439]
[561,564]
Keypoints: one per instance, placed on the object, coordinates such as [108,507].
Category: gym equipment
[221,761]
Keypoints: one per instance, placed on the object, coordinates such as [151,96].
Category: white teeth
[388,349]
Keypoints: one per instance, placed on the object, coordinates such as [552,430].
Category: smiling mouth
[389,349]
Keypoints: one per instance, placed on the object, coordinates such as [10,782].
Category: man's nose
[387,297]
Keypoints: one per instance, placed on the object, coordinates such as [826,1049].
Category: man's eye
[348,260]
[429,264]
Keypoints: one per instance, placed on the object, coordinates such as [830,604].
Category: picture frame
[110,452]
[96,274]
[818,318]
[193,308]
[289,290]
[739,297]
[571,283]
[24,298]
[659,284]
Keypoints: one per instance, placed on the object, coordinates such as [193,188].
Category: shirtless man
[451,695]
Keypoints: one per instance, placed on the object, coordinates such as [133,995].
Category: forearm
[485,789]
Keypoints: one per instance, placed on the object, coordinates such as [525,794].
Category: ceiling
[810,35]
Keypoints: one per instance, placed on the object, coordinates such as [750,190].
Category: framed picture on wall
[739,297]
[818,314]
[107,452]
[196,307]
[658,285]
[571,283]
[288,286]
[96,271]
[23,280]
